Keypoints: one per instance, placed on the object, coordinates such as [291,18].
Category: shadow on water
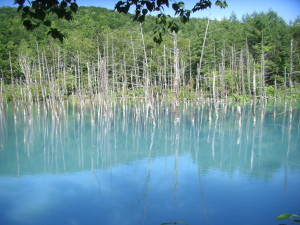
[122,153]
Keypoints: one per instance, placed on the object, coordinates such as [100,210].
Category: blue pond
[120,169]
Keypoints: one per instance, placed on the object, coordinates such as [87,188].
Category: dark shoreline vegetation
[107,59]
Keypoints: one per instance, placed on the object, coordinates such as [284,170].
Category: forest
[106,57]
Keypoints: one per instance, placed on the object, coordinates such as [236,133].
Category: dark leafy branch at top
[39,10]
[164,22]
[37,13]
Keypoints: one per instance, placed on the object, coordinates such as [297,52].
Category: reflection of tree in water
[74,144]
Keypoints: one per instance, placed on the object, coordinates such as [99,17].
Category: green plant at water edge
[178,222]
[289,216]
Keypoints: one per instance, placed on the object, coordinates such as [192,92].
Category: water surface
[122,170]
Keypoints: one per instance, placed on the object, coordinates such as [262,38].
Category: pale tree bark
[176,81]
[12,86]
[291,77]
[254,93]
[147,80]
[248,70]
[201,58]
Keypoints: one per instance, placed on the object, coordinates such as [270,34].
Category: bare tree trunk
[275,96]
[254,93]
[1,96]
[291,78]
[200,62]
[214,93]
[113,72]
[263,85]
[190,80]
[25,68]
[4,91]
[90,93]
[248,71]
[43,89]
[175,81]
[147,80]
[222,83]
[231,73]
[237,80]
[40,76]
[134,68]
[242,74]
[124,81]
[183,79]
[285,99]
[12,86]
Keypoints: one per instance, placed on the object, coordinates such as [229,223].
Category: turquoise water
[122,170]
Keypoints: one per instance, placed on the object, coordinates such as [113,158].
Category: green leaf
[169,22]
[158,37]
[26,10]
[39,14]
[181,4]
[174,223]
[163,19]
[20,2]
[118,5]
[145,11]
[47,23]
[141,19]
[159,3]
[60,12]
[63,4]
[167,3]
[74,7]
[56,34]
[221,4]
[202,5]
[19,8]
[184,19]
[149,5]
[28,24]
[283,216]
[68,16]
[297,221]
[175,28]
[175,6]
[295,215]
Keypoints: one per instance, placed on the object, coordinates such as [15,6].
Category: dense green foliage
[259,31]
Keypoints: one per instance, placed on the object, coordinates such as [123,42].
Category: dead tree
[291,78]
[147,80]
[12,86]
[176,81]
